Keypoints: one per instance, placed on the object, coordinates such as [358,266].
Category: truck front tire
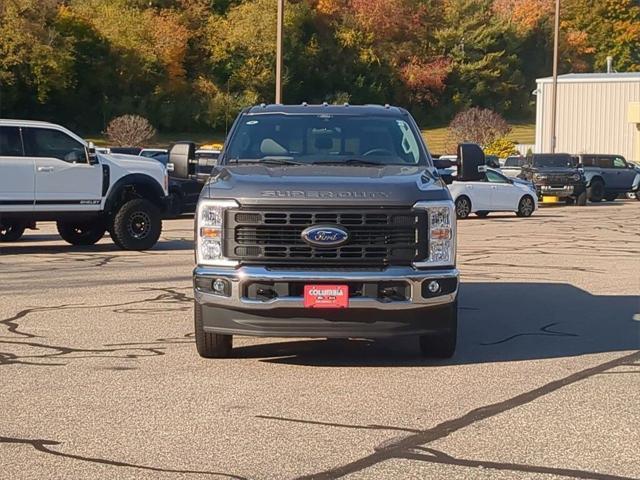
[210,345]
[83,233]
[442,344]
[596,191]
[136,225]
[12,231]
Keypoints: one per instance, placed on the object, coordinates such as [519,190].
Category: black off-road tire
[210,345]
[442,344]
[482,214]
[596,191]
[526,206]
[82,233]
[610,197]
[463,207]
[12,231]
[581,200]
[136,225]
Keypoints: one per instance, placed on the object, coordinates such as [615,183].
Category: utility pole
[554,94]
[279,51]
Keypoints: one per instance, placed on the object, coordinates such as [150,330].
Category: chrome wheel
[526,207]
[463,207]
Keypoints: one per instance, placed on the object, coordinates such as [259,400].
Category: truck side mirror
[92,157]
[470,157]
[183,156]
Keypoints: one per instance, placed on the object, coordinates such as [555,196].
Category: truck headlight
[209,232]
[540,177]
[442,234]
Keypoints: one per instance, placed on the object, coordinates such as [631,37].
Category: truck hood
[130,161]
[325,185]
[554,170]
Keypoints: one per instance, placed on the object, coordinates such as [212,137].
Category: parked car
[557,175]
[492,161]
[512,166]
[325,221]
[493,192]
[607,176]
[49,173]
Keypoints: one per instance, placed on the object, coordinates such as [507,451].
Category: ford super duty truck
[49,173]
[325,221]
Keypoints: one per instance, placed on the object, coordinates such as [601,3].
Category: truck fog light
[219,286]
[434,286]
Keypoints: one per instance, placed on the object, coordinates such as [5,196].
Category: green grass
[162,140]
[437,137]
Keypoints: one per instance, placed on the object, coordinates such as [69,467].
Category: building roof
[594,78]
[345,109]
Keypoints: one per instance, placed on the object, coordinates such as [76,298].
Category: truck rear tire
[12,231]
[442,344]
[610,197]
[596,191]
[210,345]
[137,225]
[83,233]
[581,200]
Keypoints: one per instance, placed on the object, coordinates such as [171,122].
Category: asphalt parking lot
[100,377]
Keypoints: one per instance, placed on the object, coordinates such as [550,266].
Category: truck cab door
[17,180]
[65,178]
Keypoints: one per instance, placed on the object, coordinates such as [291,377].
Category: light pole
[554,91]
[279,51]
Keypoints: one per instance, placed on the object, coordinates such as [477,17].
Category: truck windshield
[554,161]
[324,138]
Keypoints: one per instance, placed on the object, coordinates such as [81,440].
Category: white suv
[49,173]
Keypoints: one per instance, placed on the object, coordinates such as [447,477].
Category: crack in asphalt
[168,296]
[545,331]
[401,448]
[44,446]
[436,456]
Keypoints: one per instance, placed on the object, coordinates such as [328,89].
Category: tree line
[190,65]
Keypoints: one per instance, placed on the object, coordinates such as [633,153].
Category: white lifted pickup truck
[49,173]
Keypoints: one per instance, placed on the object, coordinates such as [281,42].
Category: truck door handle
[45,169]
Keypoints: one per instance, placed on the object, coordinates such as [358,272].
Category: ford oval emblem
[325,236]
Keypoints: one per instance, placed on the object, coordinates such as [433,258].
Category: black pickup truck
[325,221]
[556,175]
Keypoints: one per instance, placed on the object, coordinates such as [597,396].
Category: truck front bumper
[242,308]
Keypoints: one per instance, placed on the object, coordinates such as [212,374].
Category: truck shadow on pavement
[498,322]
[28,248]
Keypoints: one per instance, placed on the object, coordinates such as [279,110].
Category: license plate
[326,296]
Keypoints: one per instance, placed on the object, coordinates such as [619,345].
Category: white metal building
[597,113]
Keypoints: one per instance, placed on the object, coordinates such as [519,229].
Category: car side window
[605,162]
[493,177]
[619,162]
[10,142]
[49,143]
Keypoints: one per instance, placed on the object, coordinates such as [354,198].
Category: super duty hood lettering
[323,194]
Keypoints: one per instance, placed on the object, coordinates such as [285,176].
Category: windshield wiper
[352,161]
[270,161]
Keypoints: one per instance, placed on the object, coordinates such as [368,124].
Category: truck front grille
[376,236]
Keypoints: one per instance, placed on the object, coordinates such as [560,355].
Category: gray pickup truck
[608,176]
[325,221]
